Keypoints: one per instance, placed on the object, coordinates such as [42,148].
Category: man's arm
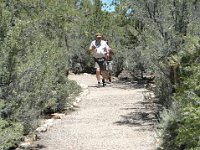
[92,47]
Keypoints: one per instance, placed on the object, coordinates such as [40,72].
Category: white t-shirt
[101,48]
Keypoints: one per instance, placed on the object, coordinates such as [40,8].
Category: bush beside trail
[33,61]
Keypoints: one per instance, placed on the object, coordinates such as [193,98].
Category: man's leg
[103,81]
[98,75]
[97,68]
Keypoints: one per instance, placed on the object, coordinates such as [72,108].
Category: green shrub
[10,134]
[189,131]
[33,62]
[168,127]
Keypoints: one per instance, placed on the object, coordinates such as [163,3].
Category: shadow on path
[142,113]
[127,85]
[140,116]
[137,119]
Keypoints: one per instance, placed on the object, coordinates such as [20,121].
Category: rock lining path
[115,117]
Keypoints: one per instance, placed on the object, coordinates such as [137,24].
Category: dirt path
[114,117]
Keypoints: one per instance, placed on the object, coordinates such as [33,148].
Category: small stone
[25,145]
[57,116]
[75,104]
[42,129]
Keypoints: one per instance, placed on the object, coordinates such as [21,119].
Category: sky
[108,2]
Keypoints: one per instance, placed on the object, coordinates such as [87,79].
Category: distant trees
[41,40]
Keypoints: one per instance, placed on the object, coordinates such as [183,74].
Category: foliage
[167,33]
[41,40]
[168,127]
[34,59]
[11,134]
[188,95]
[186,129]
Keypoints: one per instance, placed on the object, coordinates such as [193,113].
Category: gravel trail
[115,117]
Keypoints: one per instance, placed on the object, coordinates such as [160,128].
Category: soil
[114,117]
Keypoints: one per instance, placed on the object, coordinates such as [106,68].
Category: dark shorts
[100,63]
